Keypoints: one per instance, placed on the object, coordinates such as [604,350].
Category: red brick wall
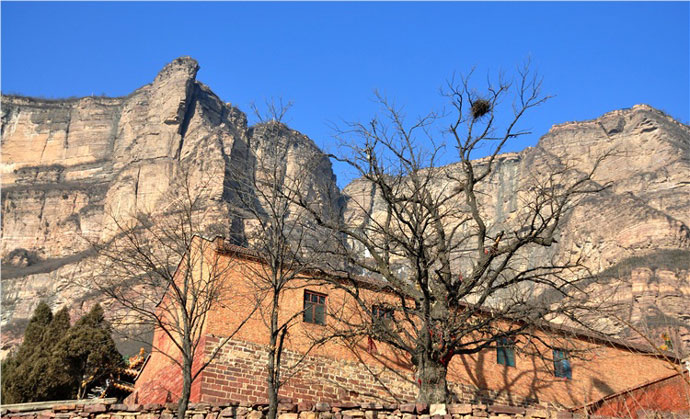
[161,379]
[597,370]
[601,371]
[239,374]
[334,371]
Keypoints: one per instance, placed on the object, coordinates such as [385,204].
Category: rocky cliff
[70,166]
[635,232]
[67,164]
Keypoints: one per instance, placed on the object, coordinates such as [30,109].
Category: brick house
[340,372]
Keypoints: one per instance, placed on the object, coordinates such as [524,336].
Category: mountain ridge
[66,161]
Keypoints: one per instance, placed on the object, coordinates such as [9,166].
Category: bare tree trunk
[272,387]
[431,379]
[186,392]
[273,366]
[186,380]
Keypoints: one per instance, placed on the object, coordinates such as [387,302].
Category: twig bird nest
[480,107]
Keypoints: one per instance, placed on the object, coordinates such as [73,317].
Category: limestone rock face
[70,166]
[641,219]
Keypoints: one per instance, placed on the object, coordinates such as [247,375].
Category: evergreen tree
[58,327]
[55,382]
[88,351]
[55,359]
[9,368]
[17,375]
[35,331]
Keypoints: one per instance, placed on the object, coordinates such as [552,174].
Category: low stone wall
[302,410]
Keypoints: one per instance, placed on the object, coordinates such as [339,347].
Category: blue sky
[329,57]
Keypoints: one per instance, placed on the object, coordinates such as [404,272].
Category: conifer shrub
[88,351]
[58,361]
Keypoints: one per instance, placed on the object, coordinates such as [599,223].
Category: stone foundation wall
[288,410]
[238,374]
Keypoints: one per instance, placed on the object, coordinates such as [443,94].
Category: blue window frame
[561,364]
[381,313]
[505,352]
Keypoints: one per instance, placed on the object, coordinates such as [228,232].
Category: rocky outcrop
[643,217]
[70,166]
[638,231]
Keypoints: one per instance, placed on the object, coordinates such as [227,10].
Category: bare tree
[158,271]
[276,230]
[461,280]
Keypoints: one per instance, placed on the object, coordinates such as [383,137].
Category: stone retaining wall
[238,373]
[287,410]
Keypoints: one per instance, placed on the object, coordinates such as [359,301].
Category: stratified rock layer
[641,220]
[68,165]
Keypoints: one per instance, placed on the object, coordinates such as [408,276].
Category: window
[314,308]
[380,312]
[561,364]
[505,352]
